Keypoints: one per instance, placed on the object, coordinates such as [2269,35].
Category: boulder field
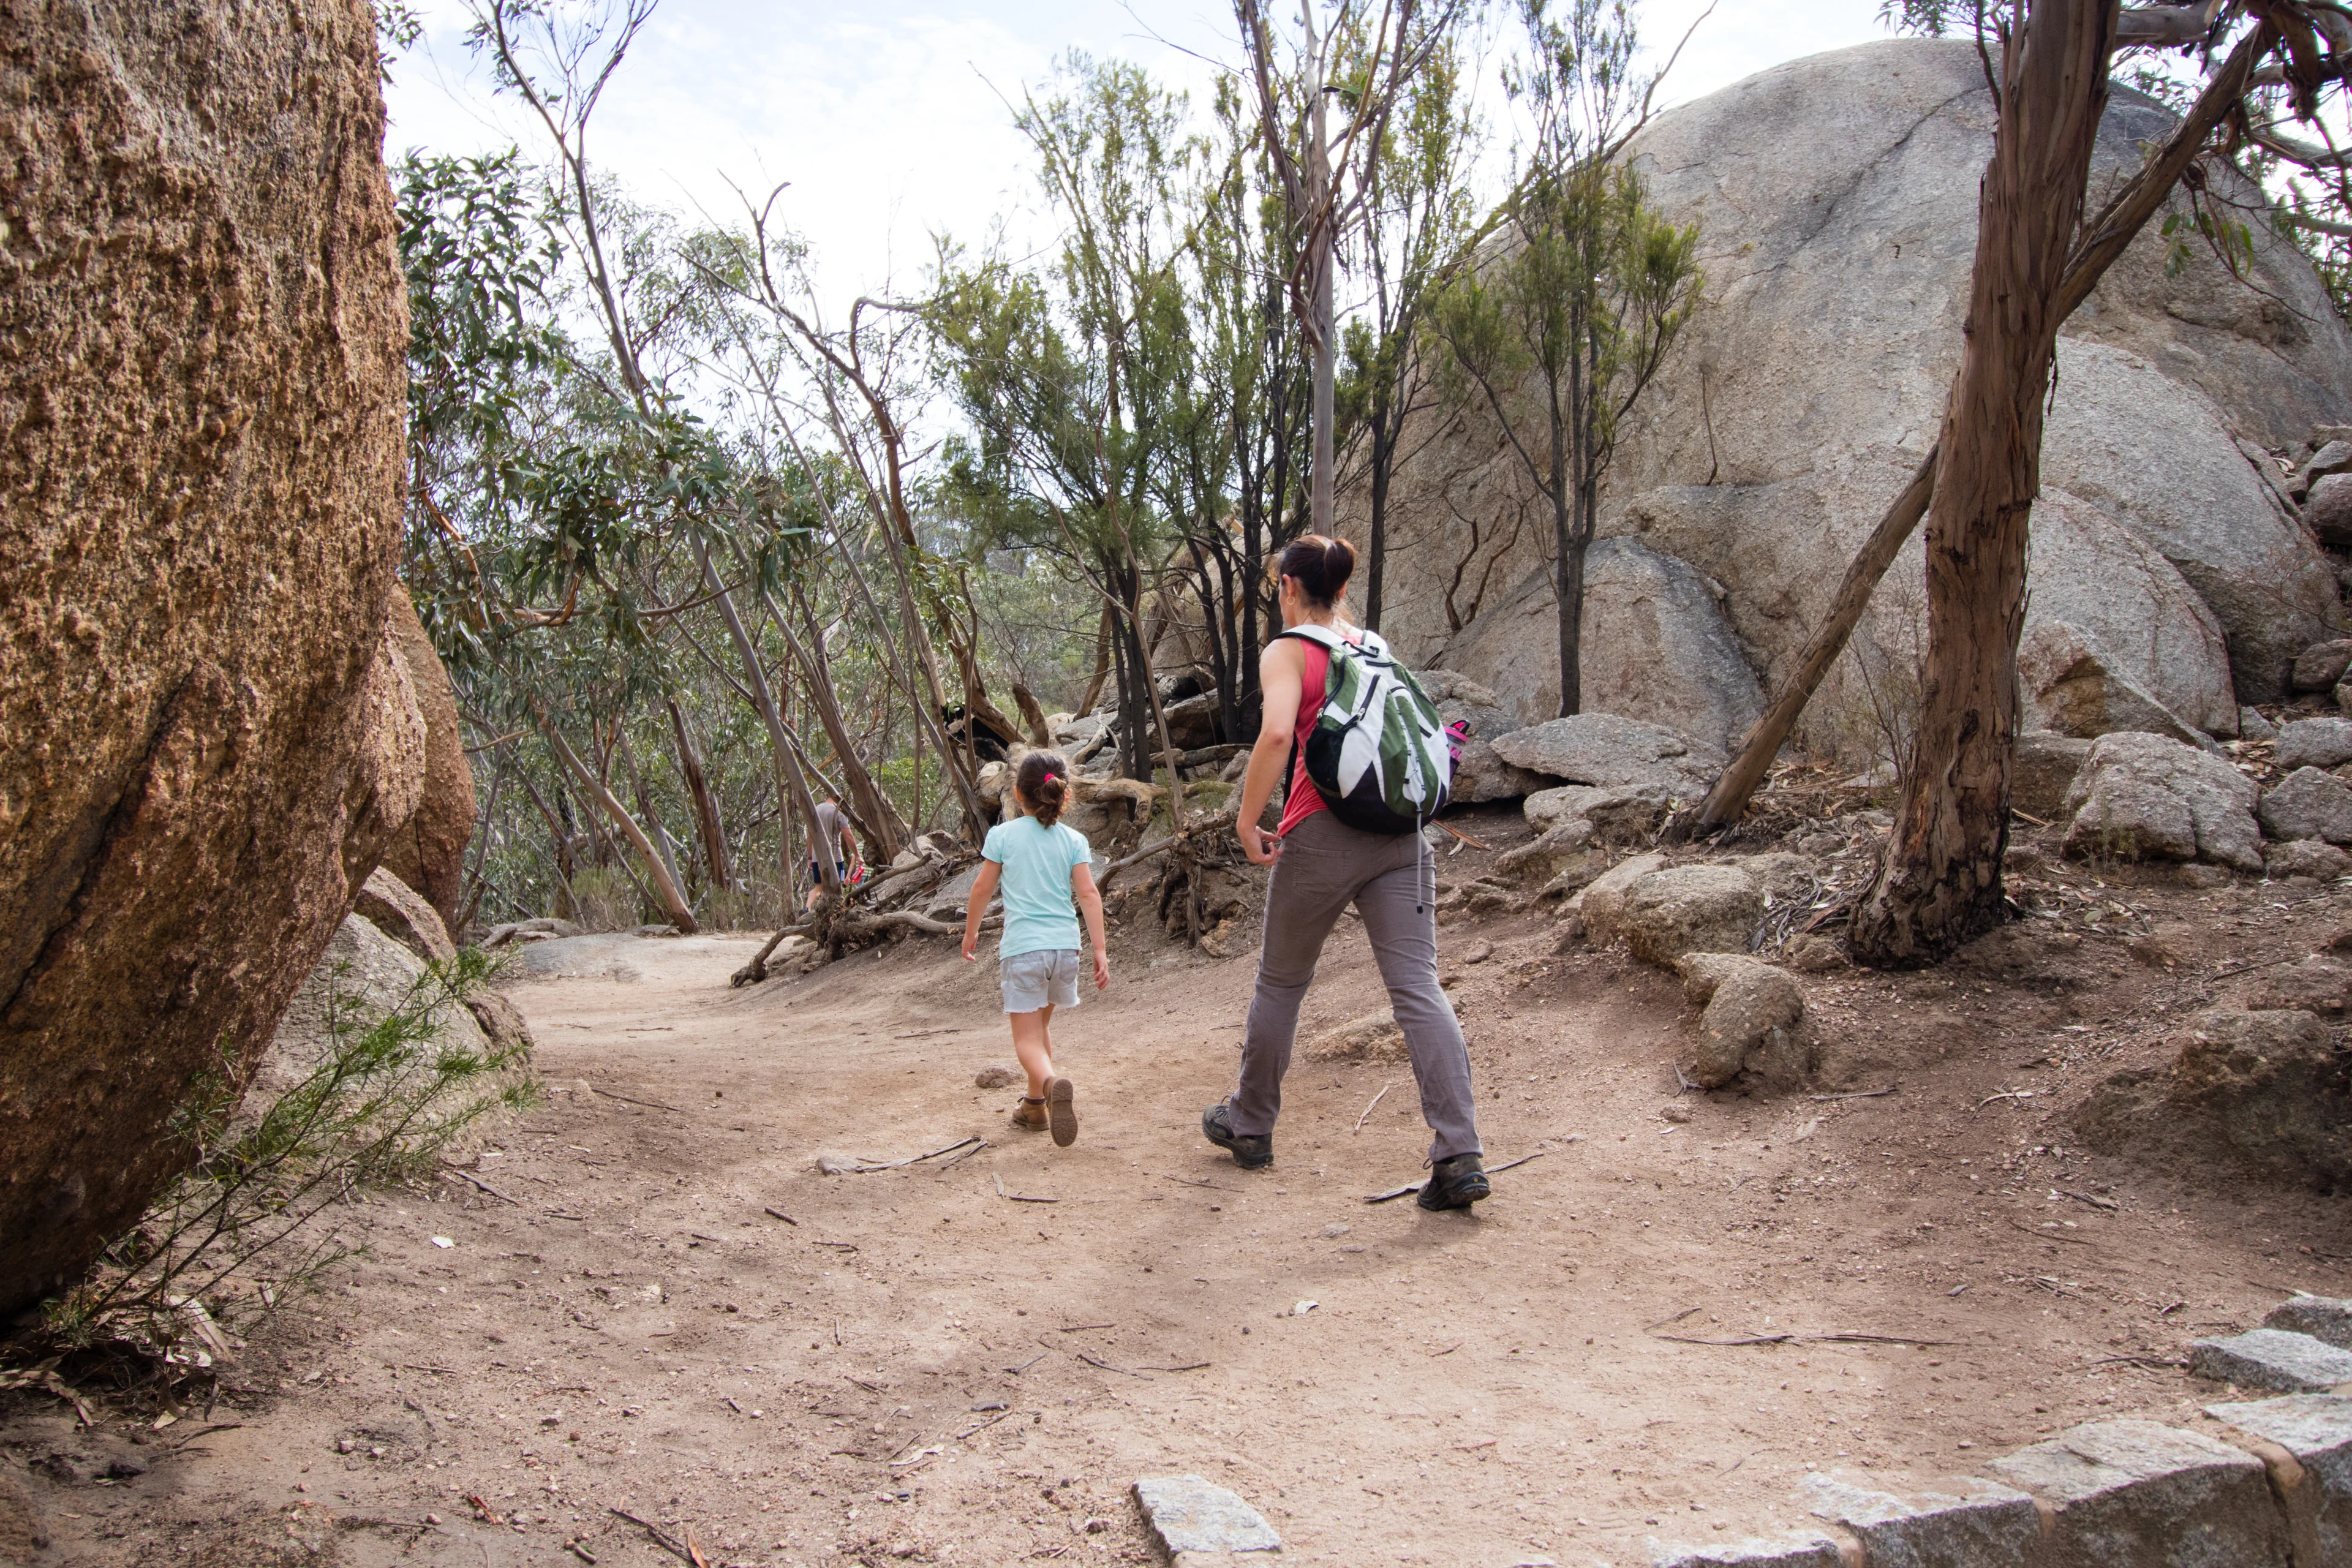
[2172,575]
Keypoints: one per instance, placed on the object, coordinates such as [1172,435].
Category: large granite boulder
[1607,748]
[1654,644]
[1479,774]
[428,851]
[2148,797]
[1837,200]
[208,736]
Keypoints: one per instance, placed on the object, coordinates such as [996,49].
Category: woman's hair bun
[1321,566]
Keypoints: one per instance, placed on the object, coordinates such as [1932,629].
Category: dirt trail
[923,1366]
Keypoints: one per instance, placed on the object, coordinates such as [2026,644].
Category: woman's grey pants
[1392,881]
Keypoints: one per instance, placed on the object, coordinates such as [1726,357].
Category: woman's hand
[1102,971]
[1262,847]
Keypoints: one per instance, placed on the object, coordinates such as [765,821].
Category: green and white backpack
[1378,751]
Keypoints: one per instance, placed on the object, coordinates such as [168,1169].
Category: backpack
[1378,751]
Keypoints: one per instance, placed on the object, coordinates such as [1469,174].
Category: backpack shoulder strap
[1321,636]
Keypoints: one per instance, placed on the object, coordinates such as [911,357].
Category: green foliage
[233,1239]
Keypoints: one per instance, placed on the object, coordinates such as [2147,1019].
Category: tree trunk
[1571,623]
[1939,882]
[1102,666]
[875,812]
[665,887]
[1376,542]
[1032,717]
[1320,242]
[705,806]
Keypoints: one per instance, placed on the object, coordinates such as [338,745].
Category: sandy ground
[969,1362]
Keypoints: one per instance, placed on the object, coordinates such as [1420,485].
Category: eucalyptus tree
[1363,58]
[1583,289]
[1078,378]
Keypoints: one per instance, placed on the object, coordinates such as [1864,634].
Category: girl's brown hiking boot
[1029,1115]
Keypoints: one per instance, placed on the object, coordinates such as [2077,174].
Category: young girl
[1048,876]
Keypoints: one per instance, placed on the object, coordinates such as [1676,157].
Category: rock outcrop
[2146,797]
[204,737]
[428,851]
[1594,748]
[2269,1086]
[1837,199]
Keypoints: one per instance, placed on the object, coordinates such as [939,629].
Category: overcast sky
[887,120]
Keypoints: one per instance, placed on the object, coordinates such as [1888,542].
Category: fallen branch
[1493,1170]
[2050,1234]
[2006,1094]
[477,1180]
[631,1099]
[1858,1094]
[1367,1116]
[756,971]
[1206,824]
[1123,1371]
[1459,834]
[1188,1181]
[779,1213]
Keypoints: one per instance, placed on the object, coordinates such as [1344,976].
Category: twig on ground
[1514,1164]
[660,1537]
[952,1161]
[579,1551]
[984,1425]
[1448,1350]
[1188,1181]
[1020,1197]
[478,1181]
[840,1246]
[1662,1322]
[2006,1094]
[864,1167]
[2147,1361]
[1750,1339]
[920,1034]
[1861,1094]
[631,1099]
[1367,1116]
[1188,1366]
[1123,1371]
[779,1213]
[1024,1366]
[1079,1328]
[1681,1080]
[2049,1235]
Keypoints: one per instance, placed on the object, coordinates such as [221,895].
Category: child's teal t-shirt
[1040,914]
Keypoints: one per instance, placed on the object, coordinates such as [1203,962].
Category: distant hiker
[1321,865]
[832,827]
[1046,869]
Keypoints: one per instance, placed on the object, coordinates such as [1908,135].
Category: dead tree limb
[2104,239]
[1205,824]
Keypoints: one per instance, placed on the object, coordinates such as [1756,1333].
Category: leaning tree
[2254,63]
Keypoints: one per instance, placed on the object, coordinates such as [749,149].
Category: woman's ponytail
[1044,782]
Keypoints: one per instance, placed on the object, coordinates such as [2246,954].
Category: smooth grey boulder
[1479,775]
[1602,903]
[2067,681]
[2316,1429]
[2328,509]
[2308,804]
[2333,457]
[1607,748]
[1654,645]
[1618,813]
[948,901]
[1565,850]
[2320,667]
[2278,1360]
[1186,1513]
[2138,1493]
[2044,770]
[1690,909]
[2313,743]
[1803,399]
[2145,797]
[1958,1523]
[2323,1317]
[2314,857]
[2160,649]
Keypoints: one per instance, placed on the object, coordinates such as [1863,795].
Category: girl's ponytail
[1044,784]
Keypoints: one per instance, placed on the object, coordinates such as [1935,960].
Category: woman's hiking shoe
[1030,1115]
[1060,1113]
[1251,1150]
[1455,1184]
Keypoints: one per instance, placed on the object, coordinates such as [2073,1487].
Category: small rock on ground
[1187,1514]
[2323,1317]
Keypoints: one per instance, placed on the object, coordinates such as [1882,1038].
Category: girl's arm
[1281,676]
[1090,899]
[984,888]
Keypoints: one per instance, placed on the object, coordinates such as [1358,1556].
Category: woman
[1321,865]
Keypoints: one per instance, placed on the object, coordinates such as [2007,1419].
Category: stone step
[1962,1520]
[1813,1550]
[2321,1317]
[2315,1483]
[1193,1519]
[2138,1493]
[2275,1359]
